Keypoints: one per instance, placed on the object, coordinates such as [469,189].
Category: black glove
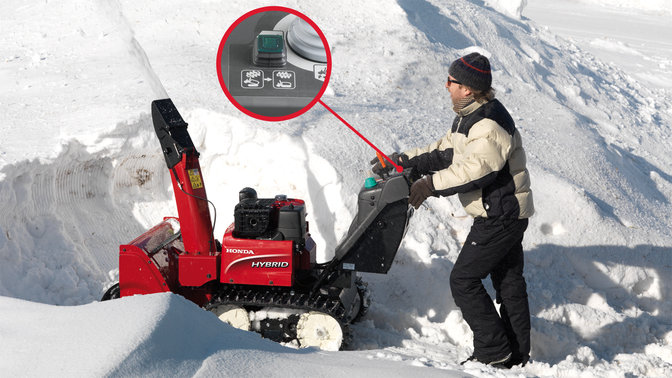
[420,190]
[378,168]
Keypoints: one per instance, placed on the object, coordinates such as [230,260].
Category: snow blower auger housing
[263,275]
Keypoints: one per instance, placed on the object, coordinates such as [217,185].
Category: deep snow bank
[159,335]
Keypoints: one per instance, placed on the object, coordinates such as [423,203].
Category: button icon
[284,79]
[252,79]
[320,71]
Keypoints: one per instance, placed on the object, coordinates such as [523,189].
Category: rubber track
[284,298]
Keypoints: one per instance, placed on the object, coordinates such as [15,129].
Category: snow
[81,173]
[157,335]
[637,42]
[513,8]
[658,6]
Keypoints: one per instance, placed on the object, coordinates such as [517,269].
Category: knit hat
[472,70]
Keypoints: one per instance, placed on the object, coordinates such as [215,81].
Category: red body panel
[196,270]
[289,201]
[138,274]
[142,268]
[257,262]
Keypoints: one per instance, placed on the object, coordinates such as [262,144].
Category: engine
[268,242]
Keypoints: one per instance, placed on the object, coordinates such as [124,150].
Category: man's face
[457,90]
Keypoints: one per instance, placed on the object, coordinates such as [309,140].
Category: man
[482,160]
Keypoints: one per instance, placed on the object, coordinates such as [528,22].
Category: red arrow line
[398,167]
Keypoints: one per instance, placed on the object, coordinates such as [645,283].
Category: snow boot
[517,359]
[499,363]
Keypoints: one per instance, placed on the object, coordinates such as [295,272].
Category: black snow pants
[494,247]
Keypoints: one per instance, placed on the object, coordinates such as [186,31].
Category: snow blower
[262,276]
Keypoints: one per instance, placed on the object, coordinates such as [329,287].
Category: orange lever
[380,159]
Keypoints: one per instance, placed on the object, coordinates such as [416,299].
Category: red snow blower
[262,276]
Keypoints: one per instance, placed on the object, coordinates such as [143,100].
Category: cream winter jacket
[482,159]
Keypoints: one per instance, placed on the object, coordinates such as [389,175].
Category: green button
[270,43]
[370,183]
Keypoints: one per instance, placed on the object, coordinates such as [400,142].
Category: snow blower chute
[262,276]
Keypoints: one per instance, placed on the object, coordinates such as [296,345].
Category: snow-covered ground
[81,172]
[631,34]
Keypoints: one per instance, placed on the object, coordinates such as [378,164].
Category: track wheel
[319,330]
[236,316]
[112,293]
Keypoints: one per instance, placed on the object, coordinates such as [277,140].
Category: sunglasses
[449,81]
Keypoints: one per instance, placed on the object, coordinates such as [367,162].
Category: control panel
[274,63]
